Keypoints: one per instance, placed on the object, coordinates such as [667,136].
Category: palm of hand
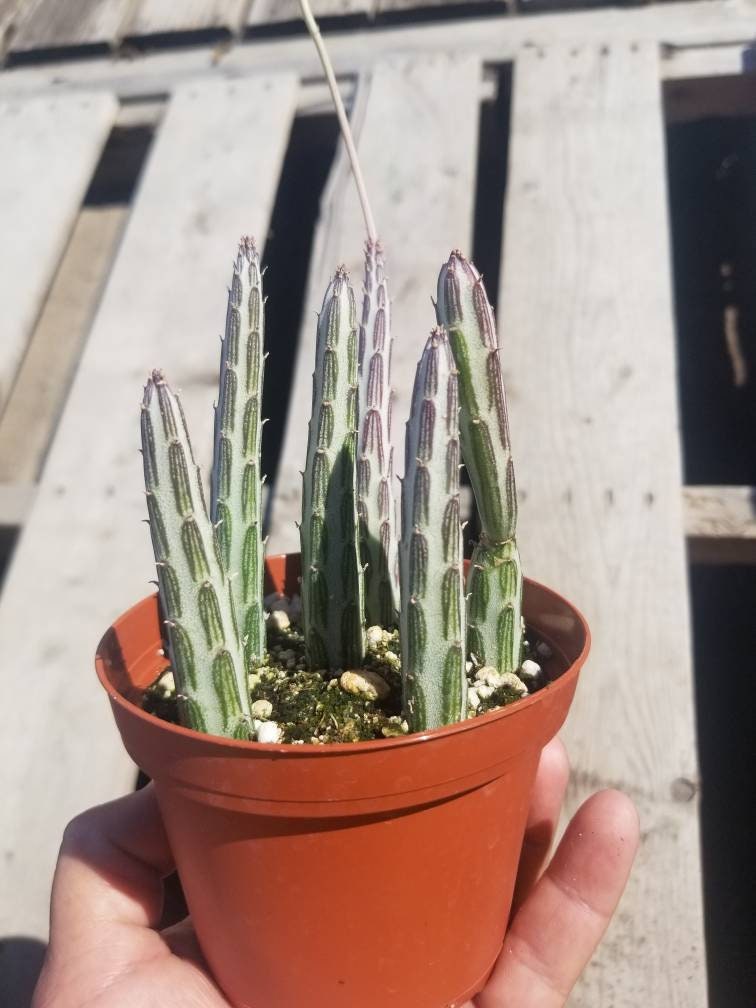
[106,952]
[139,968]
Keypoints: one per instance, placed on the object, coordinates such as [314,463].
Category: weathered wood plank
[269,12]
[706,60]
[588,349]
[163,17]
[39,391]
[680,25]
[55,143]
[720,523]
[51,24]
[16,500]
[84,555]
[422,188]
[8,12]
[392,6]
[10,16]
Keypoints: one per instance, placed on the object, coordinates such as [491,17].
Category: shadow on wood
[20,962]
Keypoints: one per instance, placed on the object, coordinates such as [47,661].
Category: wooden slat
[163,17]
[392,6]
[84,555]
[423,189]
[42,382]
[588,350]
[271,12]
[720,522]
[706,60]
[55,144]
[16,500]
[10,16]
[54,24]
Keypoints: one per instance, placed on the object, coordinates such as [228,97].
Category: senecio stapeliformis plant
[195,590]
[375,459]
[332,573]
[210,565]
[495,585]
[355,573]
[236,501]
[430,553]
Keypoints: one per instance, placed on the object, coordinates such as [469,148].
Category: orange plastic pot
[364,875]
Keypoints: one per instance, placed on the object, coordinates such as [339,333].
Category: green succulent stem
[375,456]
[433,619]
[198,607]
[463,308]
[494,635]
[236,486]
[495,579]
[332,572]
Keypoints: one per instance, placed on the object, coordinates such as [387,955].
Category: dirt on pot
[292,703]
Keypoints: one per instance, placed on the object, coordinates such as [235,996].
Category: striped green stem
[463,307]
[495,581]
[375,459]
[196,596]
[494,635]
[430,551]
[236,497]
[332,574]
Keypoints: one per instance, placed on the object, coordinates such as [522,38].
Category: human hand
[106,952]
[561,910]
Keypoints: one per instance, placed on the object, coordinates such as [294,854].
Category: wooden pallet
[586,319]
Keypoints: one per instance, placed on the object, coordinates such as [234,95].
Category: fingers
[112,862]
[555,932]
[543,817]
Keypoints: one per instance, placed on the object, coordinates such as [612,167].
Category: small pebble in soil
[374,635]
[267,731]
[279,620]
[166,684]
[493,679]
[530,672]
[364,683]
[261,709]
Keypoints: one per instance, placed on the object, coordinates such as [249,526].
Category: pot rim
[341,748]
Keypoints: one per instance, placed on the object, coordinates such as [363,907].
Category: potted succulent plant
[344,774]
